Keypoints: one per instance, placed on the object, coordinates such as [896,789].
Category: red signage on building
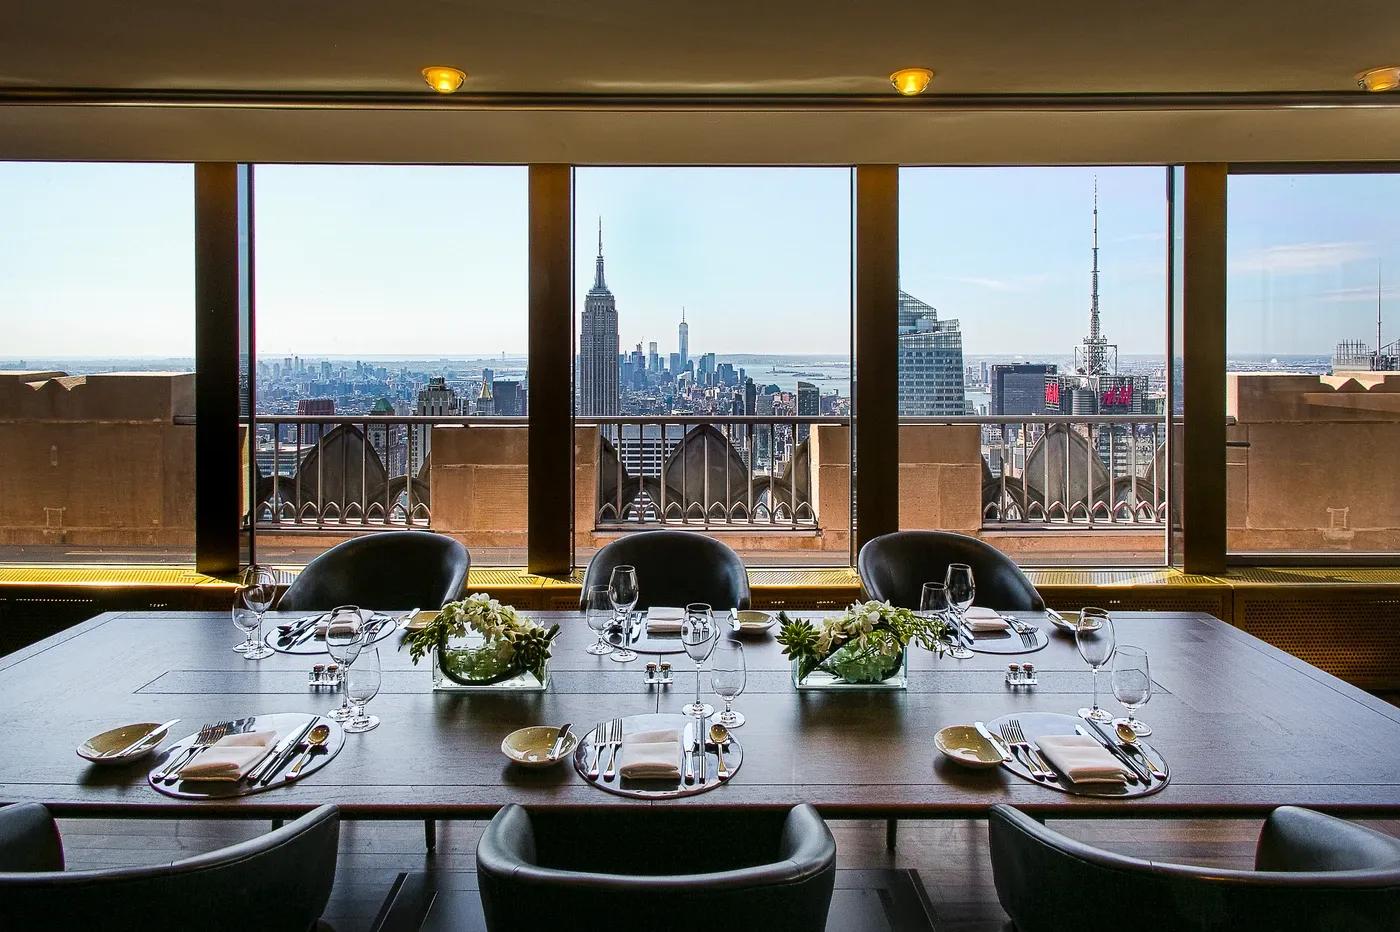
[1118,396]
[1052,393]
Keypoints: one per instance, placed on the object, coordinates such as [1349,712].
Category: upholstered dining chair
[277,882]
[640,870]
[894,568]
[384,570]
[674,568]
[1312,873]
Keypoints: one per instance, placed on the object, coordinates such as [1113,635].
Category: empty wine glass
[933,601]
[362,681]
[727,676]
[1132,685]
[1093,635]
[245,620]
[600,615]
[698,635]
[345,638]
[255,593]
[624,592]
[962,590]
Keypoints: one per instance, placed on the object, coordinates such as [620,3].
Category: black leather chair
[278,882]
[1312,873]
[674,568]
[642,870]
[387,570]
[894,568]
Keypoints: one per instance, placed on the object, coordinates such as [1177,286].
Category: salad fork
[616,746]
[1032,752]
[208,734]
[601,732]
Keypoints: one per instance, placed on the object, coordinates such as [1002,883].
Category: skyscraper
[1019,388]
[809,404]
[653,360]
[598,345]
[685,340]
[435,398]
[930,362]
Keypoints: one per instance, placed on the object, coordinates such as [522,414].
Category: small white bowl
[101,749]
[966,745]
[752,622]
[529,747]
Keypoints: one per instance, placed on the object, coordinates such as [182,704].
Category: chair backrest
[277,882]
[673,869]
[894,568]
[674,568]
[1046,881]
[387,570]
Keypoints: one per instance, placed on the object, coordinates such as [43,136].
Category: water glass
[345,638]
[1132,685]
[727,676]
[600,611]
[255,593]
[245,620]
[698,636]
[362,683]
[1094,637]
[622,587]
[933,601]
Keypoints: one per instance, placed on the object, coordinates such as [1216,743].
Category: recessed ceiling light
[911,81]
[1380,79]
[443,78]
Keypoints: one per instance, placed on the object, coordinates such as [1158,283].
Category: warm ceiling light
[911,81]
[443,79]
[1380,79]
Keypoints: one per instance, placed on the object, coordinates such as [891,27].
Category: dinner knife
[291,636]
[1000,748]
[558,746]
[266,762]
[1116,751]
[158,730]
[700,732]
[281,759]
[689,739]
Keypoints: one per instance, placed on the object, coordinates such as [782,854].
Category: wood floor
[951,856]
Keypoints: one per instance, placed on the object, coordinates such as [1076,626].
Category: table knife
[701,732]
[688,739]
[266,762]
[1000,748]
[158,730]
[280,760]
[558,746]
[289,638]
[1116,751]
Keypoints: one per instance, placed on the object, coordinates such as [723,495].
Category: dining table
[1244,726]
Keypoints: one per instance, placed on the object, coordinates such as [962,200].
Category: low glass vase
[472,664]
[826,676]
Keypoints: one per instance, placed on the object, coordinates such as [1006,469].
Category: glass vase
[821,678]
[469,664]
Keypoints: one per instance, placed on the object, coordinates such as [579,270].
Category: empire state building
[598,346]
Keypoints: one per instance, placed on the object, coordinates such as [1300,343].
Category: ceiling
[719,47]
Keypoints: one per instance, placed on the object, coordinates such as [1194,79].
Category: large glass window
[1312,387]
[391,330]
[1032,375]
[713,368]
[96,363]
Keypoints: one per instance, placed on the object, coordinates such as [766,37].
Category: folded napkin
[1082,759]
[978,618]
[663,620]
[651,755]
[342,628]
[229,758]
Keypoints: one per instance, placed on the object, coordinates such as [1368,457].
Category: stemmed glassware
[1093,635]
[727,676]
[1132,685]
[362,681]
[624,592]
[698,636]
[933,603]
[600,615]
[962,590]
[345,638]
[255,594]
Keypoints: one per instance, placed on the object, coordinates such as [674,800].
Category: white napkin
[323,627]
[1082,759]
[651,755]
[664,620]
[984,619]
[229,758]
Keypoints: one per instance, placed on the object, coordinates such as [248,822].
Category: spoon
[720,736]
[315,738]
[1125,733]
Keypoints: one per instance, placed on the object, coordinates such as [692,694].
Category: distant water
[827,373]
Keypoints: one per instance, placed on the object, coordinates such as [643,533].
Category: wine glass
[600,615]
[345,638]
[623,588]
[255,593]
[1132,685]
[245,620]
[362,682]
[962,589]
[933,601]
[698,636]
[1093,635]
[727,675]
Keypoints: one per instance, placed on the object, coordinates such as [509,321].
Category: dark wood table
[1245,727]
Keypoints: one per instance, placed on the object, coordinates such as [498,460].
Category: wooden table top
[1245,727]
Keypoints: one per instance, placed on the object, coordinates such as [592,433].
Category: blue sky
[97,259]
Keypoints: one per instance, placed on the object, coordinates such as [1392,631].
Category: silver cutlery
[1000,748]
[689,754]
[616,746]
[600,744]
[1128,738]
[1112,747]
[285,749]
[1033,751]
[208,734]
[1016,739]
[158,730]
[558,747]
[700,760]
[1021,756]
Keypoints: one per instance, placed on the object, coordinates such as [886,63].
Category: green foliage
[864,645]
[513,642]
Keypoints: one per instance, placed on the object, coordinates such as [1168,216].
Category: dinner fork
[616,746]
[600,744]
[1032,752]
[208,734]
[1021,757]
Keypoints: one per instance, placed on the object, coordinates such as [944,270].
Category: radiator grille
[1351,637]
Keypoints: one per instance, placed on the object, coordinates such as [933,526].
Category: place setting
[977,629]
[240,757]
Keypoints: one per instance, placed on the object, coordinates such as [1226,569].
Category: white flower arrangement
[862,645]
[512,641]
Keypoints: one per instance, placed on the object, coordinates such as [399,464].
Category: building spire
[1095,358]
[599,284]
[1378,315]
